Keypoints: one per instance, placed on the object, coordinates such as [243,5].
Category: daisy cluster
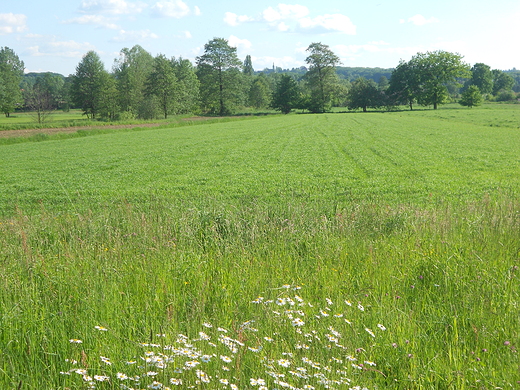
[291,344]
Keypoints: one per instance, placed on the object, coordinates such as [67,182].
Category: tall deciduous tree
[286,95]
[188,97]
[162,83]
[321,77]
[259,95]
[364,94]
[11,72]
[435,70]
[482,77]
[131,70]
[248,66]
[471,97]
[404,85]
[87,84]
[501,81]
[220,76]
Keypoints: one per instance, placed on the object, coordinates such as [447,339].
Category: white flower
[75,341]
[121,376]
[226,359]
[381,326]
[176,382]
[360,307]
[298,322]
[369,363]
[101,378]
[284,362]
[207,325]
[370,332]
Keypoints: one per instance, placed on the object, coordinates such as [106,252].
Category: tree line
[141,86]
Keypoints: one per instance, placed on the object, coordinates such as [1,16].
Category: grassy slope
[410,214]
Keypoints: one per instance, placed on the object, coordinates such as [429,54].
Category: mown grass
[413,217]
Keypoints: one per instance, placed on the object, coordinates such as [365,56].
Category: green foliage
[11,73]
[471,97]
[501,81]
[220,76]
[131,70]
[434,70]
[321,76]
[86,89]
[162,83]
[365,94]
[286,95]
[482,77]
[188,96]
[259,95]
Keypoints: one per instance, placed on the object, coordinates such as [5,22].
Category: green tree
[501,81]
[364,94]
[435,70]
[11,73]
[87,84]
[471,97]
[404,85]
[220,76]
[188,97]
[43,96]
[248,66]
[482,77]
[321,76]
[162,83]
[286,95]
[259,95]
[107,101]
[131,70]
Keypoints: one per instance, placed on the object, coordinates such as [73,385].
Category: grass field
[379,250]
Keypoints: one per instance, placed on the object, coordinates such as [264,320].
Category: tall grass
[440,275]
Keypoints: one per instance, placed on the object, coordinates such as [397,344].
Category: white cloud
[328,23]
[420,20]
[96,20]
[132,36]
[232,19]
[196,11]
[115,7]
[170,9]
[239,43]
[285,11]
[52,48]
[11,23]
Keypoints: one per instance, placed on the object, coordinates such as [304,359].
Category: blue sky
[53,35]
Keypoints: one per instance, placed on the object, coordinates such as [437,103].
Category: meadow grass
[325,251]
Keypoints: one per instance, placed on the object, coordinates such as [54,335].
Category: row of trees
[147,87]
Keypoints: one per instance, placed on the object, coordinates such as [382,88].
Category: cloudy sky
[53,35]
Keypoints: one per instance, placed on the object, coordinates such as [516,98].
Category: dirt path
[73,129]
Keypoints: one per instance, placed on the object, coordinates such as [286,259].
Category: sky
[54,35]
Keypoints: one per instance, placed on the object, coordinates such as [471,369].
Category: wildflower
[105,360]
[329,301]
[101,378]
[287,286]
[381,326]
[207,325]
[370,332]
[205,358]
[284,362]
[298,322]
[339,315]
[222,330]
[151,373]
[280,301]
[204,336]
[101,328]
[75,341]
[191,364]
[121,376]
[308,387]
[357,366]
[269,339]
[224,368]
[233,386]
[203,376]
[369,363]
[226,359]
[360,307]
[224,381]
[324,313]
[263,388]
[155,385]
[258,300]
[81,371]
[298,298]
[255,349]
[176,382]
[131,362]
[348,322]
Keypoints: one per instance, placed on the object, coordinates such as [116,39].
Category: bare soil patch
[73,129]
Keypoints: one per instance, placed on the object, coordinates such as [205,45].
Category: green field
[385,247]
